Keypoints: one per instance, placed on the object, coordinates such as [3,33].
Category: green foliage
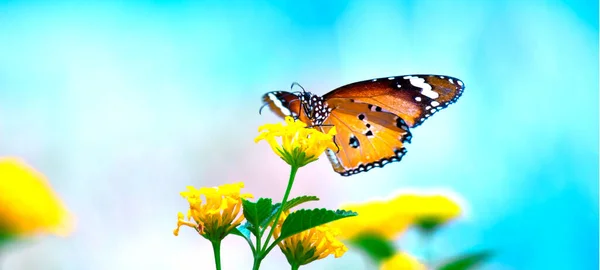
[256,213]
[468,261]
[297,201]
[429,224]
[377,247]
[288,205]
[260,214]
[305,219]
[5,238]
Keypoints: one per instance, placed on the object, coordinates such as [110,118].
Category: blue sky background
[124,104]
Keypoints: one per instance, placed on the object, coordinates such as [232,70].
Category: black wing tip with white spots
[377,164]
[455,80]
[460,87]
[277,102]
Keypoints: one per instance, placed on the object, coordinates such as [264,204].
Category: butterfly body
[372,117]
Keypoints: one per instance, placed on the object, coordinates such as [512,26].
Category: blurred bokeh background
[122,105]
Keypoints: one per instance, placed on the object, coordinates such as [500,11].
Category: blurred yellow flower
[28,203]
[390,218]
[310,245]
[429,211]
[402,261]
[379,218]
[298,144]
[216,215]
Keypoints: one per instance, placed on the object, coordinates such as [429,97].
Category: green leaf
[468,261]
[305,219]
[271,216]
[288,205]
[377,247]
[297,201]
[5,238]
[428,225]
[257,212]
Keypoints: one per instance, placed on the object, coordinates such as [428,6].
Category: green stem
[257,261]
[251,245]
[295,266]
[257,253]
[271,246]
[258,247]
[285,197]
[217,252]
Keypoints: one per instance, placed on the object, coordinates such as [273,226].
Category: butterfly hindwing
[412,97]
[367,137]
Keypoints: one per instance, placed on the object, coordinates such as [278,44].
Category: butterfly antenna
[297,84]
[261,107]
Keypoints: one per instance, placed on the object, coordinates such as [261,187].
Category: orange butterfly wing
[366,138]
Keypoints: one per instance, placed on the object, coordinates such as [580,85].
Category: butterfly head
[315,107]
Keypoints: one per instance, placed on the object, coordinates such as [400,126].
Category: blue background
[122,105]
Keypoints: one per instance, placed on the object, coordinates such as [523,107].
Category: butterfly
[372,118]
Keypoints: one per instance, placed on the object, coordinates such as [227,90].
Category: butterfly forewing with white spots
[412,97]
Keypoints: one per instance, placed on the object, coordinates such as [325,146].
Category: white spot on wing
[418,99]
[390,78]
[435,103]
[426,89]
[279,105]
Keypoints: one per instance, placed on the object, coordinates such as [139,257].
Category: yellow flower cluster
[402,261]
[216,215]
[298,145]
[428,211]
[28,205]
[310,245]
[381,218]
[389,218]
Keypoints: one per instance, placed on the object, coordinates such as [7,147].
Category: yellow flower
[298,145]
[310,245]
[402,261]
[216,215]
[389,218]
[28,205]
[429,211]
[380,218]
